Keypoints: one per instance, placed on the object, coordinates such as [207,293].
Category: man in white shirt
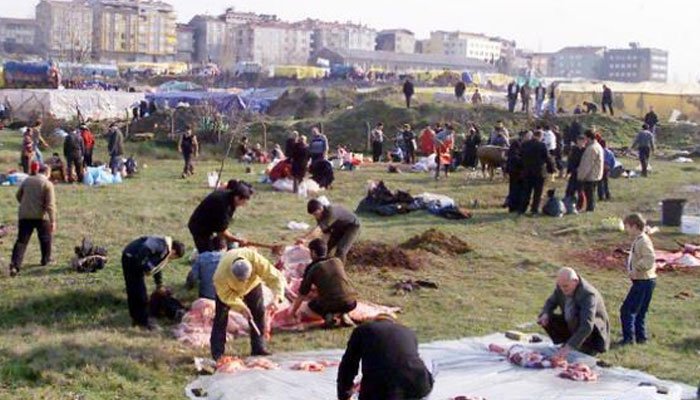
[549,139]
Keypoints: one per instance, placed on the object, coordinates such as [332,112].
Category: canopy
[225,103]
[461,368]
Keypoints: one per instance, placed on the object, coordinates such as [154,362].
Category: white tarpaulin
[463,367]
[28,104]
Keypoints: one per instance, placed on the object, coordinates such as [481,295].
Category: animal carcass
[491,157]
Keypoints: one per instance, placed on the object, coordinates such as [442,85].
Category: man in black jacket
[74,150]
[513,90]
[607,100]
[536,164]
[460,89]
[408,91]
[115,147]
[652,120]
[391,366]
[146,255]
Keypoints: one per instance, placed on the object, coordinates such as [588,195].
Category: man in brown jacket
[590,170]
[37,210]
[583,324]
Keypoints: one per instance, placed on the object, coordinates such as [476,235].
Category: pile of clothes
[88,257]
[381,201]
[196,325]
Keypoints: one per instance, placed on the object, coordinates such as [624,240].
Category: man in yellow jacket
[238,282]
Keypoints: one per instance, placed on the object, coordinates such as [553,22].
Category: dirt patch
[601,259]
[382,255]
[438,243]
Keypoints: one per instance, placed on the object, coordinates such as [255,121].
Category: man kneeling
[336,295]
[584,324]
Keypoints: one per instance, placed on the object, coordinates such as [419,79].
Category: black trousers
[255,302]
[558,331]
[408,101]
[24,232]
[340,242]
[188,169]
[515,198]
[609,107]
[202,241]
[589,189]
[604,188]
[384,388]
[533,187]
[644,154]
[87,158]
[136,294]
[77,164]
[26,162]
[377,150]
[321,308]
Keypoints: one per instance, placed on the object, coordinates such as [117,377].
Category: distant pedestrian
[38,141]
[318,145]
[477,100]
[292,140]
[536,164]
[513,90]
[89,143]
[590,171]
[74,150]
[460,89]
[652,120]
[540,96]
[37,211]
[377,137]
[408,92]
[552,105]
[189,147]
[300,162]
[115,148]
[607,102]
[526,97]
[409,142]
[27,152]
[645,143]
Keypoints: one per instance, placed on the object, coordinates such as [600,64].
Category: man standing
[540,95]
[652,120]
[444,142]
[460,89]
[37,210]
[37,141]
[583,323]
[73,150]
[525,97]
[115,147]
[318,146]
[340,224]
[645,143]
[409,142]
[513,90]
[336,295]
[238,282]
[552,106]
[408,91]
[188,146]
[477,100]
[89,142]
[377,142]
[391,366]
[590,171]
[27,153]
[536,165]
[607,100]
[147,255]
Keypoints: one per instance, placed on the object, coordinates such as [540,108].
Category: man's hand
[300,242]
[543,320]
[562,353]
[162,290]
[242,242]
[53,227]
[246,313]
[274,306]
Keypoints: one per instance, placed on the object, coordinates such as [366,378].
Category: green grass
[68,336]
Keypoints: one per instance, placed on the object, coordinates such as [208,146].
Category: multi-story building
[210,36]
[336,35]
[64,30]
[185,43]
[233,17]
[17,35]
[468,45]
[397,41]
[422,46]
[134,30]
[636,64]
[541,63]
[271,43]
[578,62]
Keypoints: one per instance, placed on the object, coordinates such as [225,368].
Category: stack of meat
[229,365]
[687,257]
[195,328]
[579,373]
[314,366]
[525,358]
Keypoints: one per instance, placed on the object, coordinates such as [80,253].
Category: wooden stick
[254,326]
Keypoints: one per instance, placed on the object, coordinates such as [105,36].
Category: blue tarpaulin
[224,103]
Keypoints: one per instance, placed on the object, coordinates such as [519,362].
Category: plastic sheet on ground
[462,368]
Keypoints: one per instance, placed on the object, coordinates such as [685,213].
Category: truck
[21,75]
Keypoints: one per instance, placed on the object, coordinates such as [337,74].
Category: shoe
[347,321]
[150,326]
[47,263]
[14,271]
[641,341]
[623,343]
[329,321]
[260,353]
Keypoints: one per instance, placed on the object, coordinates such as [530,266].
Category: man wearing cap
[37,210]
[340,224]
[147,255]
[238,282]
[391,366]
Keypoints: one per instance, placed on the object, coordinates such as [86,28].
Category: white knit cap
[241,269]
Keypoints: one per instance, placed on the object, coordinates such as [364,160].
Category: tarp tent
[97,105]
[462,367]
[635,98]
[225,103]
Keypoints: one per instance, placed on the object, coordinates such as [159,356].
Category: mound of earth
[438,243]
[382,255]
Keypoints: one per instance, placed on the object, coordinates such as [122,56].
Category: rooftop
[436,60]
[394,31]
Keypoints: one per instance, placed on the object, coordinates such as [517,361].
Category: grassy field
[68,336]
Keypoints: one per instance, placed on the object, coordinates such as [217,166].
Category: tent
[635,98]
[461,368]
[94,104]
[225,103]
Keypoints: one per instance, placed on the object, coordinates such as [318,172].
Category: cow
[491,157]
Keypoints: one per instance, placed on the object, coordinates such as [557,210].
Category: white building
[271,43]
[337,35]
[463,44]
[64,29]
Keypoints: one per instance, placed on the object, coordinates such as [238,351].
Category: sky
[539,25]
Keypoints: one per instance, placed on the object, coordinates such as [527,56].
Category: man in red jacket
[89,141]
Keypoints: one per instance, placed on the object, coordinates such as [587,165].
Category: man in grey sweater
[646,145]
[115,146]
[583,324]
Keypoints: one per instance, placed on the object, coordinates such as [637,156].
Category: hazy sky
[541,25]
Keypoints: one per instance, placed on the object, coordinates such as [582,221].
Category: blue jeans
[552,105]
[37,155]
[539,107]
[634,310]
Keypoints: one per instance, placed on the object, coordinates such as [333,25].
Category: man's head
[218,243]
[178,250]
[651,108]
[315,131]
[380,125]
[318,249]
[406,127]
[315,208]
[590,135]
[645,127]
[36,124]
[188,129]
[44,169]
[635,224]
[240,192]
[537,135]
[581,141]
[567,281]
[241,269]
[605,86]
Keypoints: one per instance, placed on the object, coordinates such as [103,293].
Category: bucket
[672,211]
[690,225]
[212,179]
